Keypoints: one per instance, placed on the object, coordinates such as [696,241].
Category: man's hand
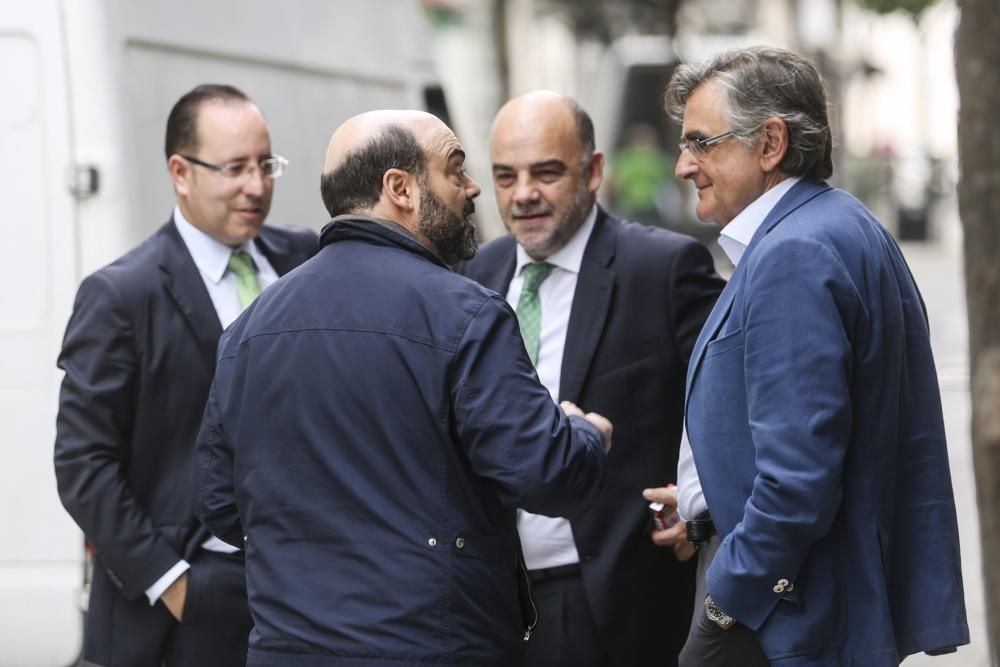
[601,422]
[675,536]
[173,598]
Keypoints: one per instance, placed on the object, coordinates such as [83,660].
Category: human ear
[180,173]
[596,175]
[775,143]
[400,189]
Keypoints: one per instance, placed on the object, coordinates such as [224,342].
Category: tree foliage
[912,7]
[604,21]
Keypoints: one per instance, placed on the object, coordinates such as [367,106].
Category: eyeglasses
[701,146]
[271,167]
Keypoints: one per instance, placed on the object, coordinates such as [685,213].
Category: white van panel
[41,562]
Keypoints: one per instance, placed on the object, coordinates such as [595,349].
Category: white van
[86,86]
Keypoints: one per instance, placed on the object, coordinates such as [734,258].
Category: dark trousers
[566,635]
[213,631]
[707,644]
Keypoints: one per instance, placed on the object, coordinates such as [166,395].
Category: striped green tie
[529,307]
[247,287]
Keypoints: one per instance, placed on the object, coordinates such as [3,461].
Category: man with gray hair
[817,450]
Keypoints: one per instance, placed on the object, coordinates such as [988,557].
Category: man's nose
[255,183]
[525,189]
[686,166]
[472,189]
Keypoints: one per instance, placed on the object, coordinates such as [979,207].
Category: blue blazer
[815,420]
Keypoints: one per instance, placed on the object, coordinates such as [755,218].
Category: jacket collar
[801,193]
[186,288]
[375,231]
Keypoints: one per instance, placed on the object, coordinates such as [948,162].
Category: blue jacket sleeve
[512,431]
[215,504]
[798,363]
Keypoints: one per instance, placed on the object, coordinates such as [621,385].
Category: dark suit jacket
[139,354]
[641,298]
[815,421]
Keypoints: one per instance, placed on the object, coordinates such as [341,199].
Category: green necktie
[529,307]
[247,287]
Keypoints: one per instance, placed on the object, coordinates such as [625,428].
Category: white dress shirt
[212,259]
[734,239]
[548,541]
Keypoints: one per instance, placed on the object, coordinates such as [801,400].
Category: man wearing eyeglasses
[817,448]
[139,356]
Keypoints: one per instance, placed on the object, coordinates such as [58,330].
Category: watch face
[716,615]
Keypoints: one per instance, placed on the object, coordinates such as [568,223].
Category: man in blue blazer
[139,356]
[813,410]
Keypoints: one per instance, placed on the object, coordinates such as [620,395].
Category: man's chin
[538,245]
[242,236]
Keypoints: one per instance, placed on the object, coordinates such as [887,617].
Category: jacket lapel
[591,300]
[498,277]
[801,192]
[718,316]
[184,284]
[278,251]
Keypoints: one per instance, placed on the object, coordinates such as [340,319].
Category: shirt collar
[570,256]
[736,236]
[210,255]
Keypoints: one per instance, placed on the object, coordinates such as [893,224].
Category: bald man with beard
[375,420]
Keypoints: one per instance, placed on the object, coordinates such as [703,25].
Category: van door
[41,557]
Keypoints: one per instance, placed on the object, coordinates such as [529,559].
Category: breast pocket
[731,341]
[627,357]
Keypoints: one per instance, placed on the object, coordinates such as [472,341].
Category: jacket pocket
[198,581]
[627,355]
[730,341]
[477,545]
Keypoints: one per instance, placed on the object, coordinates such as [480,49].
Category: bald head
[546,172]
[549,111]
[361,130]
[364,148]
[407,167]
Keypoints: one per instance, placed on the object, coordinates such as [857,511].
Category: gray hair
[760,83]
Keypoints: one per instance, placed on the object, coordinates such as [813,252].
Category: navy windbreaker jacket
[373,423]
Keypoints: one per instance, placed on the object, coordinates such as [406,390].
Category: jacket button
[782,582]
[460,543]
[779,589]
[432,542]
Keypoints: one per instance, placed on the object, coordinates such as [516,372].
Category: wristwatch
[716,615]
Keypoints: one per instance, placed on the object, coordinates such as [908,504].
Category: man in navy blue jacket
[374,421]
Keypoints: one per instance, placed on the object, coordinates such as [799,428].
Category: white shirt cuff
[690,499]
[163,583]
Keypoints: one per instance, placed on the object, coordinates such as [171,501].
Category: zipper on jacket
[531,599]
